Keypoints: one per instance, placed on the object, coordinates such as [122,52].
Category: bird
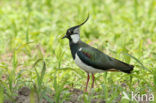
[90,59]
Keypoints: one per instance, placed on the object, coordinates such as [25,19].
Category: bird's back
[97,59]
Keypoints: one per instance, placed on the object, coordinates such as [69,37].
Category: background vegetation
[32,53]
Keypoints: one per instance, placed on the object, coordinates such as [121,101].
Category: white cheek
[75,38]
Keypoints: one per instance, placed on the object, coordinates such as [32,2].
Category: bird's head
[73,33]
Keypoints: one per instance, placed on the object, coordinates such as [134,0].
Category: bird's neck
[74,47]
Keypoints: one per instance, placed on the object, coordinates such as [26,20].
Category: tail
[127,68]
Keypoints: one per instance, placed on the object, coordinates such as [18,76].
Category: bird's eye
[70,32]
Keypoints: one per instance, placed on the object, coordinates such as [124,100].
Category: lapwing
[90,59]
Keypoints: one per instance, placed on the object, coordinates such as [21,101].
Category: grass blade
[1,94]
[138,61]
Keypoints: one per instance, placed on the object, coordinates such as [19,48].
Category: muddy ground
[24,97]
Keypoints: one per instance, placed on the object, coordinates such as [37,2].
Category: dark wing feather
[99,60]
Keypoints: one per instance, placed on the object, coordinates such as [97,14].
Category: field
[36,65]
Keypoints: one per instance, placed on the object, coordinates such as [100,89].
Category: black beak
[64,37]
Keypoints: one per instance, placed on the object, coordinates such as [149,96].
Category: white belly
[85,67]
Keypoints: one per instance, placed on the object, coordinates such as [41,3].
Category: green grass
[31,31]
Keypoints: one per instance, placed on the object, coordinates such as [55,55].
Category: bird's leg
[93,78]
[87,82]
